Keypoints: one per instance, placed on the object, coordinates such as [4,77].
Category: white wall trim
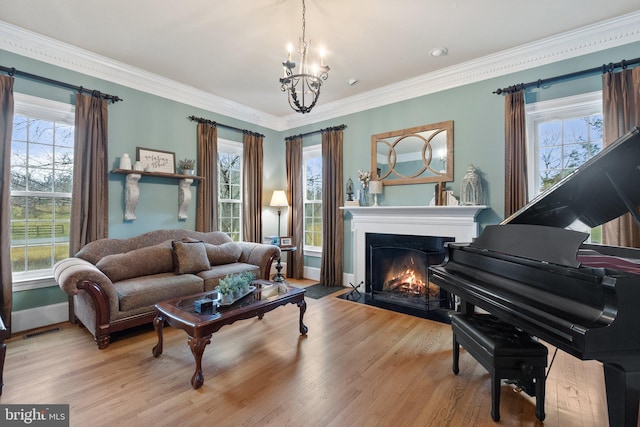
[312,273]
[31,318]
[600,36]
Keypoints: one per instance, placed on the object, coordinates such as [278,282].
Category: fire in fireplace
[398,270]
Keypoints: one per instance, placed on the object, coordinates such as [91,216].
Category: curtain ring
[80,90]
[539,83]
[623,63]
[12,71]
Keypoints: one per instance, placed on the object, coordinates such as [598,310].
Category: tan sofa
[116,282]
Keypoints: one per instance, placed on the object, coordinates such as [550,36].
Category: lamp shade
[375,187]
[279,198]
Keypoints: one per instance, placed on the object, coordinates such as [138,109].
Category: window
[230,188]
[312,161]
[563,134]
[41,185]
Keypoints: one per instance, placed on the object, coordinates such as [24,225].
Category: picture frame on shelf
[286,241]
[156,160]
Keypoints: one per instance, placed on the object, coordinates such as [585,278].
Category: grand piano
[533,272]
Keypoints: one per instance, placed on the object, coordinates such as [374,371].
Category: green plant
[234,282]
[225,286]
[186,163]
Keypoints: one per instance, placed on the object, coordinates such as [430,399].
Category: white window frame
[310,151]
[582,105]
[227,146]
[45,109]
[568,107]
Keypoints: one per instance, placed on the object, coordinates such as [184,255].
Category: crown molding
[600,36]
[35,46]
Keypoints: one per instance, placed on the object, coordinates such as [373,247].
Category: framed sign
[156,160]
[286,241]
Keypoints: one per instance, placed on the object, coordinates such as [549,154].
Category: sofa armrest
[261,255]
[75,274]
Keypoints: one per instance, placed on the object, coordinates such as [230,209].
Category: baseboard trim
[31,318]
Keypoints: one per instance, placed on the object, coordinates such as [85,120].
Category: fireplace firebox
[397,271]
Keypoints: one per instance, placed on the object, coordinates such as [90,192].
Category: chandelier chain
[304,22]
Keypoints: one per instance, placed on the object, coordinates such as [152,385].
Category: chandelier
[303,87]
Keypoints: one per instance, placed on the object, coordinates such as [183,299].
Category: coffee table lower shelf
[180,314]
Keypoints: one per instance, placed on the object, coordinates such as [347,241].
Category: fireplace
[455,221]
[397,270]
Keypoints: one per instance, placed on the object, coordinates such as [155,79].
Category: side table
[279,277]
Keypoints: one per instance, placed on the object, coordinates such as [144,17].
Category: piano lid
[603,188]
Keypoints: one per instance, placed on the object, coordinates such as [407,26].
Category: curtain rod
[13,72]
[340,127]
[216,124]
[605,68]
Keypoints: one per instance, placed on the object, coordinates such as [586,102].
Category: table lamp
[375,188]
[279,200]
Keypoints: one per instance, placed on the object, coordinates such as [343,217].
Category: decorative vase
[188,172]
[138,166]
[364,197]
[125,161]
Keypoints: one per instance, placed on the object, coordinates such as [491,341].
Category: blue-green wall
[150,121]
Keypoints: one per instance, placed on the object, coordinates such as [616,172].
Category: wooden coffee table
[180,314]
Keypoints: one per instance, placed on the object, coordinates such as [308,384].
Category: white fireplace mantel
[458,222]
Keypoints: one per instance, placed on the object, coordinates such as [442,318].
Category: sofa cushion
[225,253]
[190,256]
[138,262]
[149,290]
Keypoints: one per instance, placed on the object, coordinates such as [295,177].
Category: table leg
[157,324]
[303,307]
[197,346]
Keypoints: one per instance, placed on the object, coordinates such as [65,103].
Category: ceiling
[234,49]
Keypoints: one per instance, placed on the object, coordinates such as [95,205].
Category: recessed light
[439,51]
[352,82]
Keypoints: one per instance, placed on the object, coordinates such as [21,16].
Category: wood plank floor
[358,366]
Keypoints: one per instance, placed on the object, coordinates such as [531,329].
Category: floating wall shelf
[132,190]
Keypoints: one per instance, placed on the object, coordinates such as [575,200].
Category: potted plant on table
[226,289]
[234,286]
[187,166]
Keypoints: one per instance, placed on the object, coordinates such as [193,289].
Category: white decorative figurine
[471,188]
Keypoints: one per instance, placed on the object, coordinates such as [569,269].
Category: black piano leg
[496,381]
[456,355]
[623,391]
[540,391]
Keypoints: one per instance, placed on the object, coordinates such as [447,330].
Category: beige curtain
[332,221]
[621,112]
[6,127]
[207,201]
[515,181]
[252,187]
[90,195]
[295,194]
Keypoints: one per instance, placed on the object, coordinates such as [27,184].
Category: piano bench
[506,352]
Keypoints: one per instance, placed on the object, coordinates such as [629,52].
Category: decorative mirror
[414,155]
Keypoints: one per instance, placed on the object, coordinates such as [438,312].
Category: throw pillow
[190,256]
[138,262]
[225,253]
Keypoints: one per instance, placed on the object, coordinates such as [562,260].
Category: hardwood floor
[358,366]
